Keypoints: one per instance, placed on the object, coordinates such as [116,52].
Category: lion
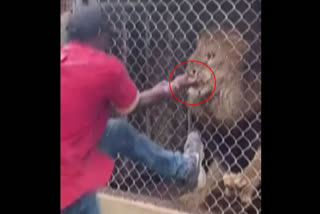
[222,50]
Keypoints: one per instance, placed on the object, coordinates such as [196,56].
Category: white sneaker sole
[202,177]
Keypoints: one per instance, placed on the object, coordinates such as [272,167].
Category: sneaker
[193,148]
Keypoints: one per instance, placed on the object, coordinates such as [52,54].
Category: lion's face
[222,53]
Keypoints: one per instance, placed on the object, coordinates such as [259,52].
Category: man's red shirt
[90,82]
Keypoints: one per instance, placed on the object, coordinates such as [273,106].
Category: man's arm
[161,91]
[126,98]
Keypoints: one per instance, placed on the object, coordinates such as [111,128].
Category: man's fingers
[182,80]
[191,80]
[188,81]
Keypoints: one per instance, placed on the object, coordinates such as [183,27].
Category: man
[91,81]
[64,18]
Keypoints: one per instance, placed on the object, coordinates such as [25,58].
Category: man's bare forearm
[148,98]
[162,92]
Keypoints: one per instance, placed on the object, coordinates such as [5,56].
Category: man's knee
[118,125]
[116,130]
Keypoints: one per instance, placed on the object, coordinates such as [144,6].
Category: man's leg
[120,137]
[87,204]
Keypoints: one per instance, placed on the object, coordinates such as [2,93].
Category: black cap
[88,22]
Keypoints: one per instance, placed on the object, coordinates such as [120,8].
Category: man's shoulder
[106,63]
[80,51]
[101,65]
[93,54]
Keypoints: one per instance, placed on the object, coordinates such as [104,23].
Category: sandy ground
[178,206]
[111,204]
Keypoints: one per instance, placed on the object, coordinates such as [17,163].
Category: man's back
[82,103]
[89,83]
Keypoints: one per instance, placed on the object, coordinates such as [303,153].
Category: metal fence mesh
[155,36]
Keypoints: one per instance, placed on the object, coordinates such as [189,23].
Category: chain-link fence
[154,37]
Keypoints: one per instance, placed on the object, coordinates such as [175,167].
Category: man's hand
[162,89]
[181,81]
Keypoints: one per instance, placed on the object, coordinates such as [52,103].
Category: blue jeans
[120,137]
[87,204]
